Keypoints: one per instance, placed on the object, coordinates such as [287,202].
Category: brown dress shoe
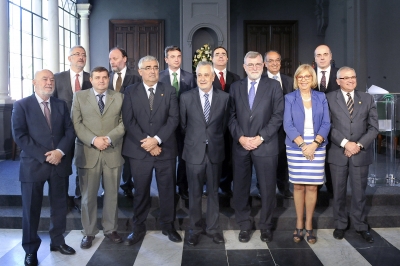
[114,237]
[87,242]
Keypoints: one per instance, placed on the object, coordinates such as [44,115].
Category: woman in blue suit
[306,123]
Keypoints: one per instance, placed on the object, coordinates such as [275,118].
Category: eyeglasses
[258,65]
[306,77]
[148,68]
[79,55]
[273,61]
[347,78]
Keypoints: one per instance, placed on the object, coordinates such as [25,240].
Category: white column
[54,46]
[4,97]
[84,12]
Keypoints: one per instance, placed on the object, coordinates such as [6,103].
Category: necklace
[306,100]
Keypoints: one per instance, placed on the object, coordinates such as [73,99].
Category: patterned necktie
[275,77]
[350,104]
[252,94]
[222,80]
[175,82]
[77,84]
[101,103]
[119,82]
[322,86]
[207,107]
[151,98]
[47,113]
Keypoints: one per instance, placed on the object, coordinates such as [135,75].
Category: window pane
[27,47]
[37,47]
[61,54]
[15,88]
[37,6]
[67,39]
[15,17]
[44,6]
[60,17]
[27,87]
[15,41]
[45,30]
[15,66]
[66,20]
[26,22]
[26,4]
[61,36]
[46,58]
[37,26]
[38,65]
[15,1]
[27,67]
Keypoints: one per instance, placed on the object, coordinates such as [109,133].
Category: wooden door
[263,35]
[139,38]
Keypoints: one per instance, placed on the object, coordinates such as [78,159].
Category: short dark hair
[123,52]
[99,69]
[220,47]
[171,48]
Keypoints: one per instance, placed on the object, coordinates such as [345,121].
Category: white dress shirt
[327,74]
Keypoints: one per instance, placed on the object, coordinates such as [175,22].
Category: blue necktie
[207,107]
[101,103]
[252,94]
[275,77]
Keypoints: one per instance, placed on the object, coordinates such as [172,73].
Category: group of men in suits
[141,128]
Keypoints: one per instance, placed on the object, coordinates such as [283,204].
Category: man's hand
[53,157]
[149,143]
[352,147]
[101,143]
[256,141]
[156,151]
[347,153]
[247,143]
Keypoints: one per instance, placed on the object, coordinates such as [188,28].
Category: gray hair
[251,54]
[204,63]
[271,51]
[344,68]
[74,47]
[147,58]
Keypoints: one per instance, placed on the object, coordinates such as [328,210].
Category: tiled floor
[156,249]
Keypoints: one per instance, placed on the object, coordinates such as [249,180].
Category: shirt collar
[40,100]
[73,74]
[328,70]
[202,92]
[177,72]
[270,75]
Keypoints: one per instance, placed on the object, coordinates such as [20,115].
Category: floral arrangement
[202,54]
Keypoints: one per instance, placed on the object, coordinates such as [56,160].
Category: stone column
[54,45]
[5,99]
[84,12]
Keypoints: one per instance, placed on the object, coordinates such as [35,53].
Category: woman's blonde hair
[302,68]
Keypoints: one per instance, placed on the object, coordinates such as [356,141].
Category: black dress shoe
[31,259]
[134,237]
[193,239]
[183,194]
[244,236]
[338,234]
[87,242]
[366,235]
[226,194]
[217,238]
[266,235]
[128,193]
[64,249]
[172,235]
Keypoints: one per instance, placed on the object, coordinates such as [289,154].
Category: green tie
[175,83]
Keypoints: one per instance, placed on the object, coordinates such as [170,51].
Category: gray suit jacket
[198,130]
[131,77]
[362,127]
[89,123]
[63,89]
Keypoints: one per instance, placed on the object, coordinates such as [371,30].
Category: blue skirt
[303,171]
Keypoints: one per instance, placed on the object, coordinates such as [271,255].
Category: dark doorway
[264,35]
[139,38]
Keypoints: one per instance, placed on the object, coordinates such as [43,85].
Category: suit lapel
[214,105]
[37,110]
[229,78]
[55,112]
[244,94]
[109,100]
[314,104]
[158,97]
[92,100]
[216,83]
[143,98]
[196,96]
[67,78]
[357,103]
[299,102]
[261,90]
[340,101]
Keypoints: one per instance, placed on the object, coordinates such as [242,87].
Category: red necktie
[222,80]
[77,84]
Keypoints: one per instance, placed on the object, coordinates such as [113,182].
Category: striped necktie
[350,104]
[207,107]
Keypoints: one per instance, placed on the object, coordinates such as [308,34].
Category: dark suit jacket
[140,122]
[230,78]
[293,120]
[264,119]
[198,130]
[362,127]
[287,83]
[32,134]
[63,89]
[332,84]
[131,77]
[186,81]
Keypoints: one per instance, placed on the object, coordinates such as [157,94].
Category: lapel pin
[359,102]
[162,94]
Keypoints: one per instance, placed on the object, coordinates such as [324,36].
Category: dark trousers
[358,176]
[227,171]
[32,196]
[266,175]
[127,175]
[197,174]
[282,175]
[142,171]
[181,178]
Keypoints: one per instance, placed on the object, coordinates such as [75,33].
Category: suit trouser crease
[90,182]
[32,197]
[197,174]
[142,171]
[358,180]
[265,168]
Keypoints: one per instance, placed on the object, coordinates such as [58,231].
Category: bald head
[44,83]
[323,56]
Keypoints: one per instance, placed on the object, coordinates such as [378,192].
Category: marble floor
[156,249]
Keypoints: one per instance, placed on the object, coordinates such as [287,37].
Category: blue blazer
[293,118]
